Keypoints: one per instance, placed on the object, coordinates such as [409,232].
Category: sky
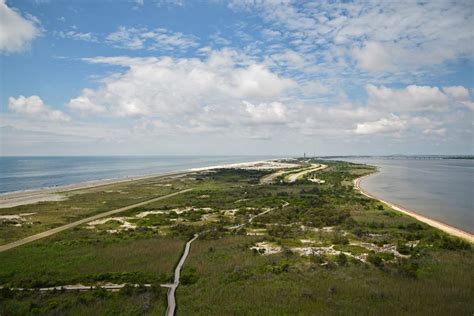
[178,77]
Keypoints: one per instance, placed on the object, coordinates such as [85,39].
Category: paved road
[177,272]
[83,221]
[295,176]
[271,177]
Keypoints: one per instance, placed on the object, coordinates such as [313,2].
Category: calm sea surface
[440,189]
[25,173]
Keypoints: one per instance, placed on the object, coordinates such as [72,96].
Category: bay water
[441,189]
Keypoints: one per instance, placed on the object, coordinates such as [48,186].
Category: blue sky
[236,77]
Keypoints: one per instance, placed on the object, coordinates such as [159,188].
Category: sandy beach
[16,198]
[270,164]
[434,223]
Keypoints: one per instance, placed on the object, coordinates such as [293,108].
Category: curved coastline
[451,230]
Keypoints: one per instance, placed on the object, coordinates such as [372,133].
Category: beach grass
[409,267]
[82,203]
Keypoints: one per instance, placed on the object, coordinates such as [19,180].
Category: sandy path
[285,204]
[437,224]
[83,221]
[259,214]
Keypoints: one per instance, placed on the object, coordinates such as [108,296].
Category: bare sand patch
[230,212]
[254,165]
[316,180]
[388,248]
[125,224]
[145,214]
[322,251]
[256,232]
[13,200]
[266,248]
[17,220]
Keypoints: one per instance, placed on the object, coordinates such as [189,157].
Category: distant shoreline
[52,193]
[28,174]
[451,230]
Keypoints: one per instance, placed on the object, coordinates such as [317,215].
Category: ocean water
[26,173]
[441,189]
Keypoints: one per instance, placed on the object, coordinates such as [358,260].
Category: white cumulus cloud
[16,31]
[83,103]
[168,86]
[459,93]
[410,99]
[391,124]
[267,113]
[373,56]
[33,106]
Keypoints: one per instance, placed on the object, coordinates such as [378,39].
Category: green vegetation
[129,301]
[283,248]
[83,203]
[233,280]
[84,257]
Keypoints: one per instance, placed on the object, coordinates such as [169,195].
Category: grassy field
[98,302]
[228,279]
[315,249]
[80,256]
[83,203]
